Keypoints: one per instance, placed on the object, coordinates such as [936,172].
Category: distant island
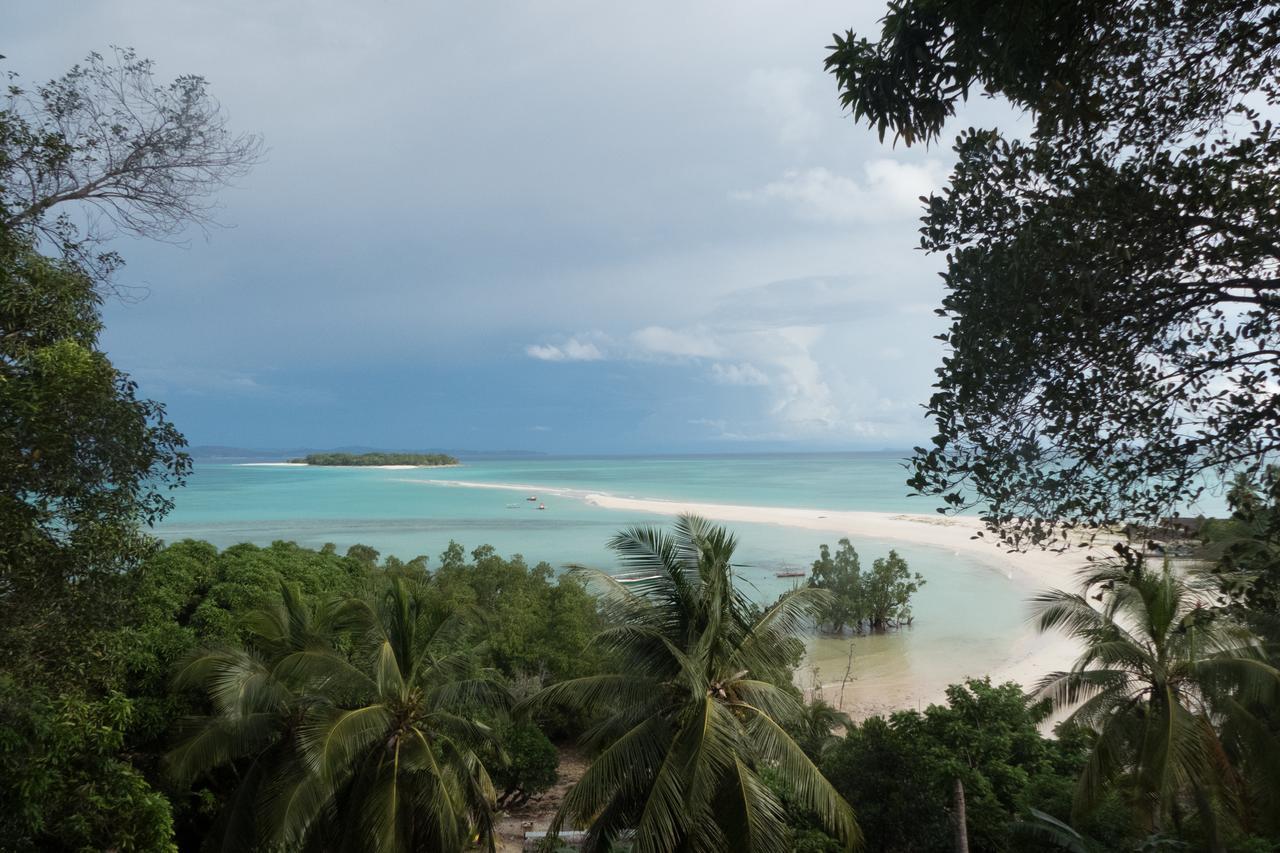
[374,459]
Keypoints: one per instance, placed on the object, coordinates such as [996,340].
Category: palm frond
[590,693]
[332,739]
[750,815]
[807,784]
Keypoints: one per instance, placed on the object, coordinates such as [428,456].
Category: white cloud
[741,373]
[572,349]
[890,189]
[696,342]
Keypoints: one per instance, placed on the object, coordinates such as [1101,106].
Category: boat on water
[532,498]
[542,506]
[790,573]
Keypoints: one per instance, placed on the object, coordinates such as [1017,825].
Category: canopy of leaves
[63,782]
[873,600]
[351,725]
[1113,283]
[536,624]
[1247,547]
[527,764]
[83,462]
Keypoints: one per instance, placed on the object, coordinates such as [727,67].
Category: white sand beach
[272,465]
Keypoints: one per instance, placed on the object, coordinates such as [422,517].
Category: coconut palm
[1167,683]
[694,711]
[349,725]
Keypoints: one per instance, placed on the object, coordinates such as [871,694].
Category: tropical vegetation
[875,600]
[1178,692]
[371,459]
[691,711]
[350,725]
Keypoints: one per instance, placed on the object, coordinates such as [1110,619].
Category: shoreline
[1031,654]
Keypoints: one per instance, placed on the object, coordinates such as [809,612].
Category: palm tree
[1166,682]
[814,728]
[695,709]
[349,725]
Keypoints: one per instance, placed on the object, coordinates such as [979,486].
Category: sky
[566,227]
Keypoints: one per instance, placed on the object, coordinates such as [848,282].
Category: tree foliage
[114,151]
[874,600]
[1112,286]
[527,765]
[898,772]
[1247,548]
[536,624]
[351,725]
[83,462]
[64,784]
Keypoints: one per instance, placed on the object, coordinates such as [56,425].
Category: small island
[370,460]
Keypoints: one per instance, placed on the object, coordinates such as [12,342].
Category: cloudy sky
[554,226]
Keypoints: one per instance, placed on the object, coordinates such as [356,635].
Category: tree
[83,462]
[814,728]
[528,765]
[1112,285]
[887,591]
[694,710]
[348,723]
[63,783]
[1248,551]
[534,626]
[841,577]
[137,157]
[877,599]
[1167,683]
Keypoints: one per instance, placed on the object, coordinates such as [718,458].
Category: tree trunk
[958,817]
[1210,821]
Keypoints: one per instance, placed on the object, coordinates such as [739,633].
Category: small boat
[532,498]
[789,573]
[542,506]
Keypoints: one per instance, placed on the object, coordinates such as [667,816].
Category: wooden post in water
[957,815]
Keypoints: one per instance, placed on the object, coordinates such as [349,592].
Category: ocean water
[966,614]
[408,512]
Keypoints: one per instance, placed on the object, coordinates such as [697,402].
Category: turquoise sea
[967,615]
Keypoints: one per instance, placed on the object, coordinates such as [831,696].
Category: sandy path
[537,813]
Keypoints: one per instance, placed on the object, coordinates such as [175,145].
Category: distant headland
[372,460]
